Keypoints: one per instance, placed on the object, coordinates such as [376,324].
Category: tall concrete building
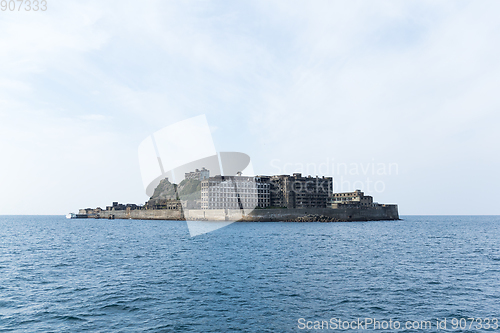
[234,192]
[351,199]
[266,191]
[299,192]
[198,174]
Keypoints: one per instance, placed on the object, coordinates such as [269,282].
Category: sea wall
[382,212]
[142,214]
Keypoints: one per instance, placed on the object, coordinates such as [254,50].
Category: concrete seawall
[386,212]
[382,212]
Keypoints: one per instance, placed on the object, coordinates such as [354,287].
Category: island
[285,198]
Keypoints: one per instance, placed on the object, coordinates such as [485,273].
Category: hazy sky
[401,97]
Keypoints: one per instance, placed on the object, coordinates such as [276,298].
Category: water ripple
[129,276]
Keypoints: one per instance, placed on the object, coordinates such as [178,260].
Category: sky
[396,98]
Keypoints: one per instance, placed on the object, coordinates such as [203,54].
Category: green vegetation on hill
[188,189]
[165,190]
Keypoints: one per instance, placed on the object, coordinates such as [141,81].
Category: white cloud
[92,117]
[408,82]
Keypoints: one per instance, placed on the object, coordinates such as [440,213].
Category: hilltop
[188,189]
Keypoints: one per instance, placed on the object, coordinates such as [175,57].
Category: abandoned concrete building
[265,191]
[351,199]
[297,191]
[163,204]
[198,174]
[234,192]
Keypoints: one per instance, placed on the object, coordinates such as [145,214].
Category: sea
[419,274]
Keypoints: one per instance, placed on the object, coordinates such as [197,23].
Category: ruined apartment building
[299,192]
[234,192]
[356,198]
[198,174]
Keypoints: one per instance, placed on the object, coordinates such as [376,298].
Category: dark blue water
[129,276]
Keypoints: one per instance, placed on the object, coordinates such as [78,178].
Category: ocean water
[59,275]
